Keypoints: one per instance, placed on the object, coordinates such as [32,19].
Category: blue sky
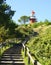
[42,8]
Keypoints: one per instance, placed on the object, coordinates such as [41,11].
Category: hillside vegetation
[40,45]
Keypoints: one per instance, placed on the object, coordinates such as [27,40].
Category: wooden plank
[23,45]
[29,54]
[27,49]
[30,57]
[38,63]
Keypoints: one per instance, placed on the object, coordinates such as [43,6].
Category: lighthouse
[32,17]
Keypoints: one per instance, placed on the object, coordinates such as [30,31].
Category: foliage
[37,24]
[3,34]
[46,22]
[26,59]
[23,19]
[23,31]
[5,13]
[40,46]
[6,22]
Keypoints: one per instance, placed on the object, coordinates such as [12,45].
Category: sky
[42,8]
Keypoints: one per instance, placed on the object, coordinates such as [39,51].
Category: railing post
[35,62]
[25,50]
[29,59]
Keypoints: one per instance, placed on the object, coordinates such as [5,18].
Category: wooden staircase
[12,56]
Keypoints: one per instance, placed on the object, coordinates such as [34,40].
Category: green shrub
[46,22]
[40,46]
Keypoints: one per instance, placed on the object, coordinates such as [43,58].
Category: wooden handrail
[30,57]
[34,62]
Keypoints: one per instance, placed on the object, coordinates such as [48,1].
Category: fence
[27,52]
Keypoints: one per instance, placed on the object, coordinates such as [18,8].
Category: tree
[6,22]
[19,20]
[23,19]
[5,13]
[12,27]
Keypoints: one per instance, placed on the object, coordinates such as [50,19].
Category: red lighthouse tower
[32,18]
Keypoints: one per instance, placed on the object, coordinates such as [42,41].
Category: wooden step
[12,54]
[11,63]
[3,61]
[8,59]
[13,57]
